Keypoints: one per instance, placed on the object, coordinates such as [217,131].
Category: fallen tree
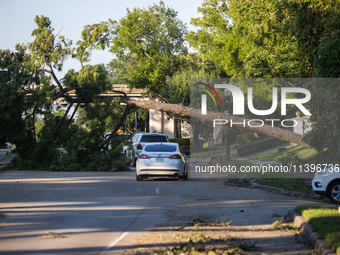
[38,131]
[210,116]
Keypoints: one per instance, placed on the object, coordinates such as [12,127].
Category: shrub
[290,159]
[258,145]
[186,148]
[180,141]
[43,156]
[245,136]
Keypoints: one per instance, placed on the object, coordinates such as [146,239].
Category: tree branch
[74,112]
[82,93]
[149,57]
[121,122]
[55,78]
[62,119]
[121,92]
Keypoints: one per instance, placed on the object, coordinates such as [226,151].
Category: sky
[70,16]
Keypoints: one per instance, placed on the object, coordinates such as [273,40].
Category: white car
[162,159]
[327,183]
[141,139]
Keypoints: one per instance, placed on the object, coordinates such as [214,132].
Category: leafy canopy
[29,88]
[149,42]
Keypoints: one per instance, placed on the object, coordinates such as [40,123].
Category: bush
[259,145]
[44,156]
[67,163]
[180,141]
[245,136]
[291,159]
[33,155]
[184,143]
[186,148]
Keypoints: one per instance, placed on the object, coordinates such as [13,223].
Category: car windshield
[161,148]
[153,138]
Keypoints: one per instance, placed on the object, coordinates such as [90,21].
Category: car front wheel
[333,191]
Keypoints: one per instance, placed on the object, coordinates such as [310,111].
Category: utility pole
[136,122]
[162,122]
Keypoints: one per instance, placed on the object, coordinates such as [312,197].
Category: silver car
[162,159]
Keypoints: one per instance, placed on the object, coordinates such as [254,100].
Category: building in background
[159,121]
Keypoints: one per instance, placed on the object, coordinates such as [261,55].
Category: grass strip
[203,153]
[274,155]
[326,220]
[258,145]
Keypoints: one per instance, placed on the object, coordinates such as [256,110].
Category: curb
[317,240]
[283,192]
[254,185]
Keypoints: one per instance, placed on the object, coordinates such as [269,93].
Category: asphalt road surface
[103,213]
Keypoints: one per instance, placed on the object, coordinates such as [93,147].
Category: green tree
[17,110]
[326,105]
[119,71]
[28,78]
[264,38]
[307,23]
[245,38]
[148,42]
[213,30]
[178,90]
[327,59]
[315,27]
[273,39]
[325,117]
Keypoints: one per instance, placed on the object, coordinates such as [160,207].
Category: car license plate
[159,160]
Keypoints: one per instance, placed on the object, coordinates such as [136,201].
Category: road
[105,213]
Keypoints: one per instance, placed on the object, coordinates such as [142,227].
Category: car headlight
[324,172]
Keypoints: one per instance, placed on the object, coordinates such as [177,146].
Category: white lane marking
[116,240]
[124,234]
[157,190]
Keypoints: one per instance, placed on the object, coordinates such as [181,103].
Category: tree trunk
[196,114]
[196,142]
